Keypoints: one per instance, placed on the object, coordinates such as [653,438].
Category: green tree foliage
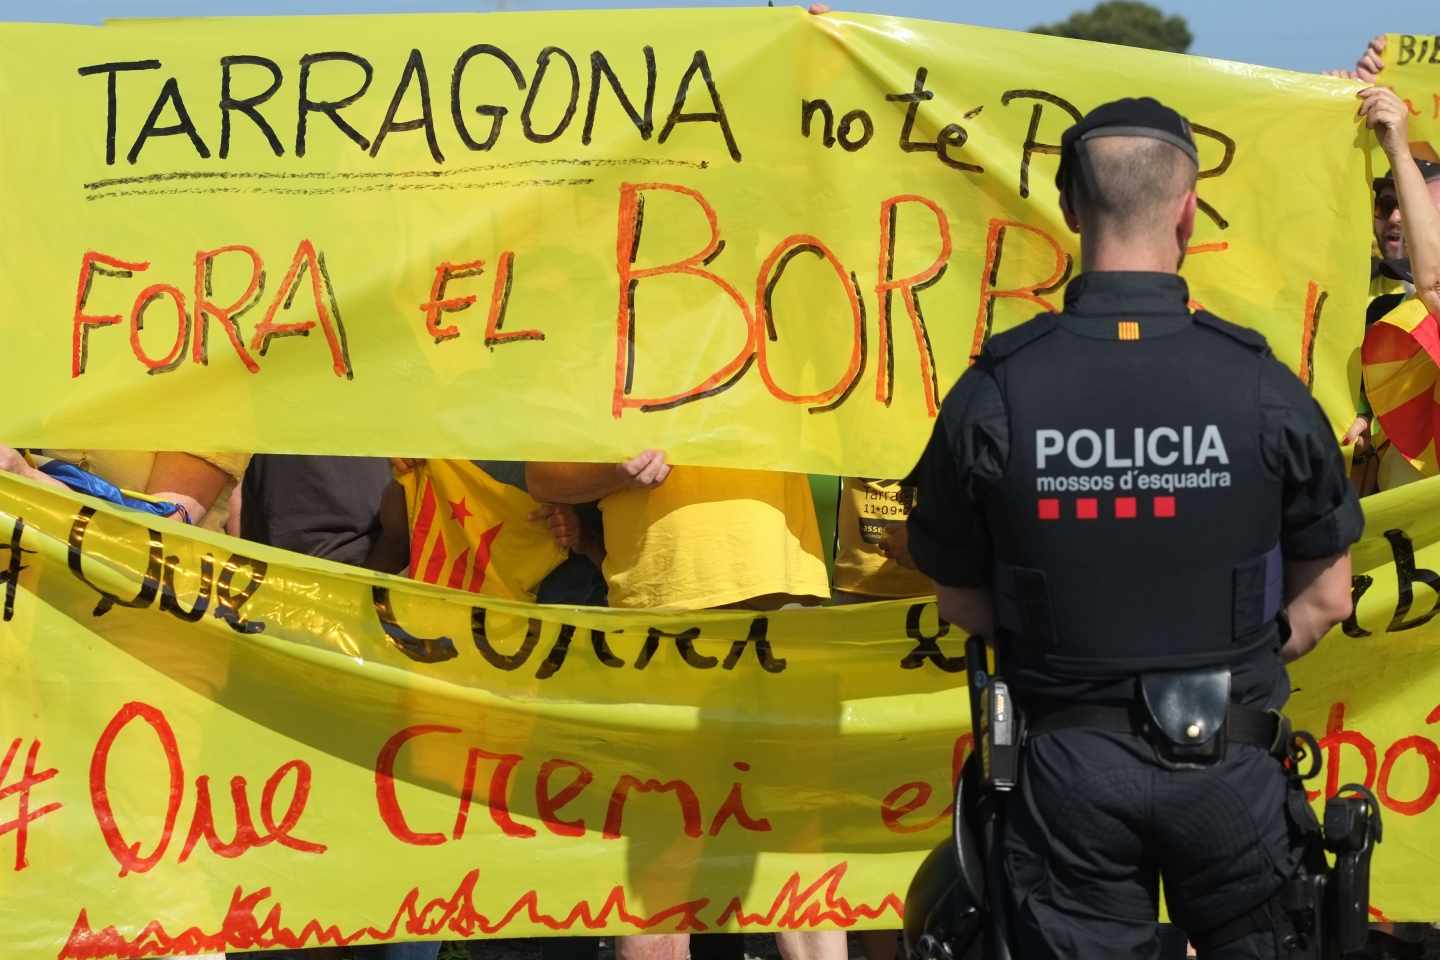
[1126,22]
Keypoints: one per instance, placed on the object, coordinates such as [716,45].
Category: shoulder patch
[1004,344]
[1253,339]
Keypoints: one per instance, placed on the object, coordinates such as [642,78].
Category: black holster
[1322,911]
[1352,828]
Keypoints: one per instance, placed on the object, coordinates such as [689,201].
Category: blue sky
[1295,34]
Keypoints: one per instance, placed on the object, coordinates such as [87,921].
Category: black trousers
[1098,822]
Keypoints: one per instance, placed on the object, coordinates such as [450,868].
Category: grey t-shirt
[321,506]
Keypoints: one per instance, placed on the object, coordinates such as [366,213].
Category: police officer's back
[1130,498]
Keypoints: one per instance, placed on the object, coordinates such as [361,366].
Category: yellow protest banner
[208,745]
[1412,67]
[218,745]
[746,236]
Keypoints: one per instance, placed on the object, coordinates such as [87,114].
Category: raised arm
[1372,61]
[1386,115]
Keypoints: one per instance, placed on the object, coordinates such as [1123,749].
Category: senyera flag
[1401,362]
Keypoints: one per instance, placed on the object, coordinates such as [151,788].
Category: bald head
[1139,185]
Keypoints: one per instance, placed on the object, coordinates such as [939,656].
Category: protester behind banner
[464,529]
[693,538]
[872,562]
[577,581]
[1405,270]
[473,525]
[1396,321]
[319,506]
[1392,283]
[689,538]
[194,487]
[323,507]
[872,557]
[575,528]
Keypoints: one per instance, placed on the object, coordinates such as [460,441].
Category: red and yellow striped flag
[1400,359]
[470,532]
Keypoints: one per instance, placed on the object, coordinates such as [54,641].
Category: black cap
[1130,117]
[1429,169]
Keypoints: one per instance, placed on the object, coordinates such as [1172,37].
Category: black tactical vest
[1137,527]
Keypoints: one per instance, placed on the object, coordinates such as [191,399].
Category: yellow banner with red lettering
[1412,67]
[210,745]
[754,237]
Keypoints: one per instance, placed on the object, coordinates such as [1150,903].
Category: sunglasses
[1386,204]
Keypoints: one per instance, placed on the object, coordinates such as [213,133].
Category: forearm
[14,462]
[1318,597]
[1421,222]
[573,482]
[188,480]
[968,608]
[23,469]
[1306,630]
[39,477]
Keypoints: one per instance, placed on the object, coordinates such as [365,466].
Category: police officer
[1149,515]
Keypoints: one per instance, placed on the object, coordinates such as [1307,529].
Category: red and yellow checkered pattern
[1400,360]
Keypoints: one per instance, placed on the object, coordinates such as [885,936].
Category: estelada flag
[471,532]
[1400,359]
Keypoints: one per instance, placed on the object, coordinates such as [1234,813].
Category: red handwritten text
[202,822]
[549,802]
[249,926]
[192,321]
[28,780]
[1380,768]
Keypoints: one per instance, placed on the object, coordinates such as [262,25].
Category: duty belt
[1261,728]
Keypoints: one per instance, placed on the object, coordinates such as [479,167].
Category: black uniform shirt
[969,450]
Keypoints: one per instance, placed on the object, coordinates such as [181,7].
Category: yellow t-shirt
[1380,285]
[867,510]
[709,537]
[130,470]
[471,532]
